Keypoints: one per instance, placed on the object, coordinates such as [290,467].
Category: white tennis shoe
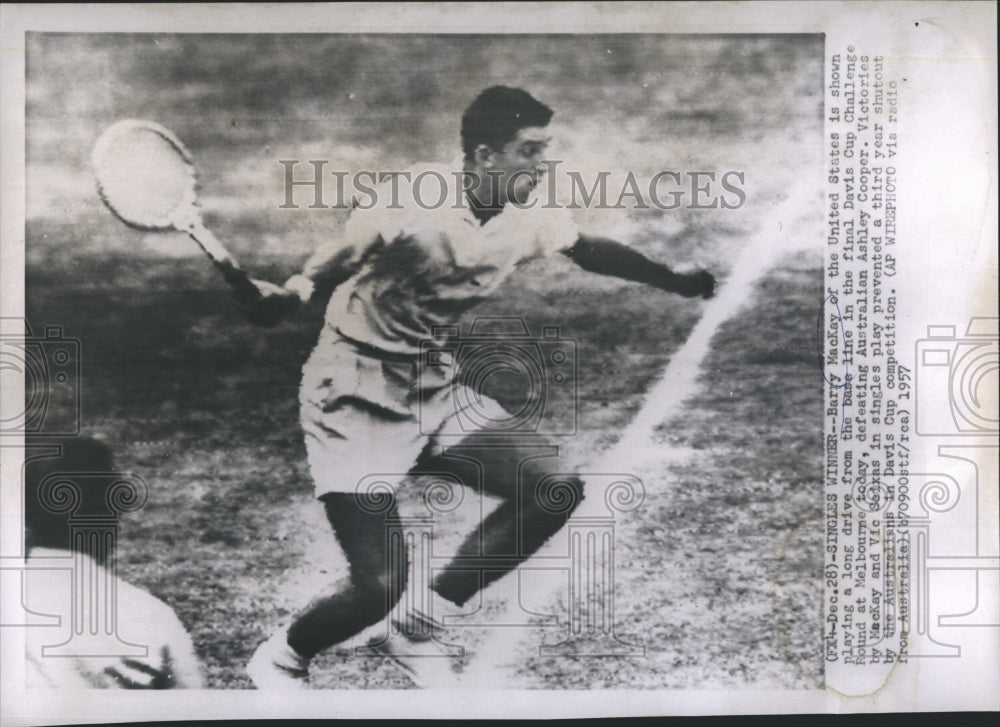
[415,643]
[276,665]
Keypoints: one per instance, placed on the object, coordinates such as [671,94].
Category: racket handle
[223,260]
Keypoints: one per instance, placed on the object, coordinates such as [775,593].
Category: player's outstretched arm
[608,257]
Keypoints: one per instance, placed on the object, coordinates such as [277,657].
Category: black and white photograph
[455,361]
[625,191]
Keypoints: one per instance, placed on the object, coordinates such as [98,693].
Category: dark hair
[83,456]
[497,114]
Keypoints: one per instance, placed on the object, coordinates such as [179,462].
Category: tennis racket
[147,178]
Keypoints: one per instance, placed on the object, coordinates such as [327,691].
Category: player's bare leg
[525,519]
[508,536]
[376,580]
[519,526]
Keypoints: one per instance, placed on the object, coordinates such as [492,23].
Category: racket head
[145,176]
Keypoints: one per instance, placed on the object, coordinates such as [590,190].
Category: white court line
[787,228]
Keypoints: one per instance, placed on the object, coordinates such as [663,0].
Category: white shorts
[363,414]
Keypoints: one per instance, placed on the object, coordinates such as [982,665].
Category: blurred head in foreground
[88,464]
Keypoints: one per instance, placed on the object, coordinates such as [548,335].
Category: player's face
[518,166]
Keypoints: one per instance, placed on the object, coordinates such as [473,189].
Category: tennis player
[401,270]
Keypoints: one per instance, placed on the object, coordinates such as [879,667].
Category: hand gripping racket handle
[224,261]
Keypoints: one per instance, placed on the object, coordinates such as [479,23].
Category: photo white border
[952,71]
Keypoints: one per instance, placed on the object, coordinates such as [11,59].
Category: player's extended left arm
[608,257]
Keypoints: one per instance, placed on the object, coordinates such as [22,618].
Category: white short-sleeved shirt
[421,267]
[428,262]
